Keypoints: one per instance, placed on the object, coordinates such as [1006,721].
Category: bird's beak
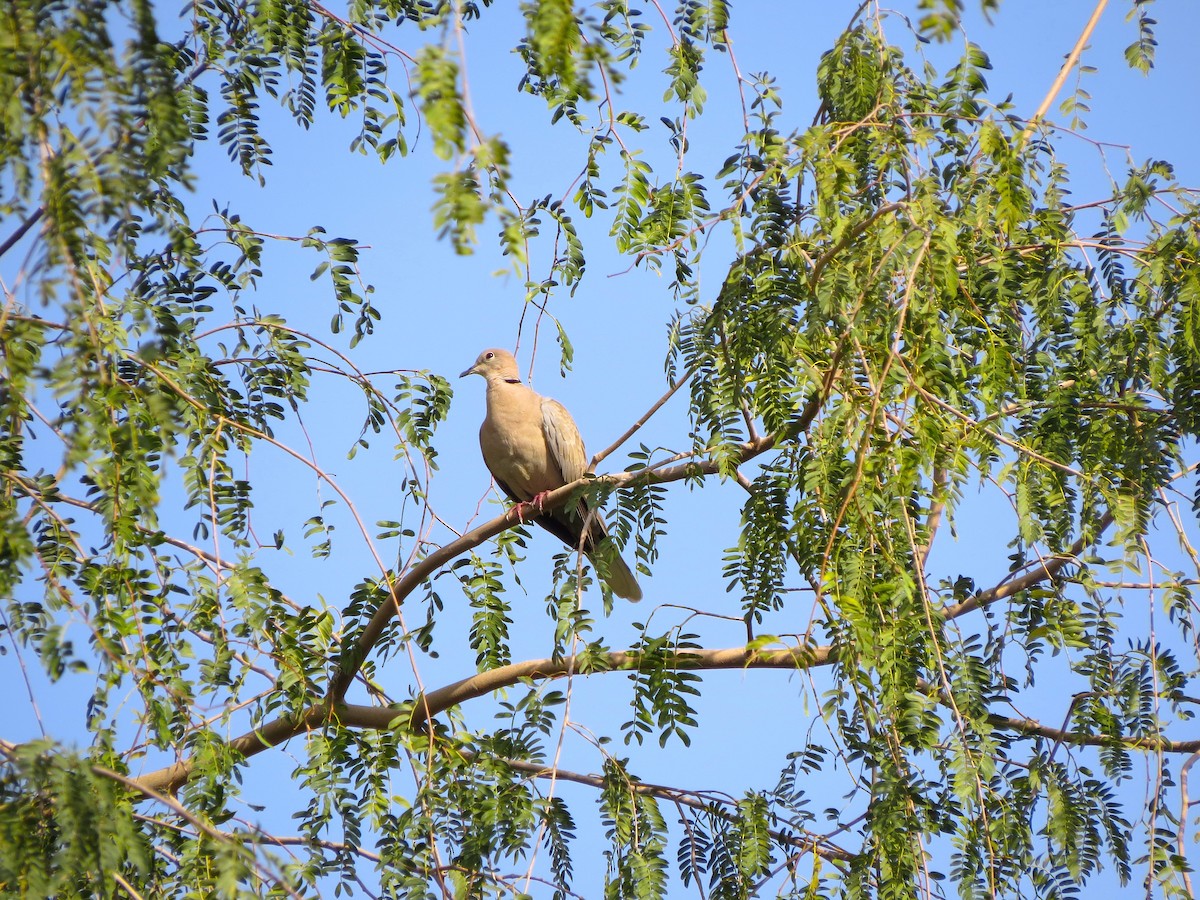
[470,371]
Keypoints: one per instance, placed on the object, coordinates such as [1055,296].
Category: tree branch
[1047,569]
[658,404]
[354,655]
[692,799]
[1033,728]
[32,219]
[429,705]
[1071,61]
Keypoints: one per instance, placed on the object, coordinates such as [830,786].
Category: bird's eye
[489,355]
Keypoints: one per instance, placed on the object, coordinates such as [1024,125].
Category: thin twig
[694,799]
[658,404]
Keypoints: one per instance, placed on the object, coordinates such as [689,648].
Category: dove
[531,446]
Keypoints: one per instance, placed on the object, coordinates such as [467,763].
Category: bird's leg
[539,501]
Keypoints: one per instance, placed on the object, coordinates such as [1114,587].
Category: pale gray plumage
[531,445]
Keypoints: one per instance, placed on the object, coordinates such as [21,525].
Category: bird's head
[495,364]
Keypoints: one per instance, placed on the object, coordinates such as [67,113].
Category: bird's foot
[526,511]
[531,508]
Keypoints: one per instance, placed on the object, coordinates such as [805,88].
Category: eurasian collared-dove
[531,445]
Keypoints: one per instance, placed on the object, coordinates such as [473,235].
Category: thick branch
[429,705]
[272,734]
[485,683]
[281,730]
[1033,728]
[1071,61]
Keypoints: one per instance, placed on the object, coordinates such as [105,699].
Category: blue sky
[439,309]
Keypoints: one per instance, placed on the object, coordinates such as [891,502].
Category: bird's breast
[518,456]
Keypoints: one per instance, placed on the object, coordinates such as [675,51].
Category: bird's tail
[612,568]
[622,581]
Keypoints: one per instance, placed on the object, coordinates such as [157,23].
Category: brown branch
[1071,61]
[430,704]
[353,657]
[1064,735]
[278,731]
[484,683]
[1033,728]
[150,793]
[283,729]
[33,320]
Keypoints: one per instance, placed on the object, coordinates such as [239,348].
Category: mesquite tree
[907,306]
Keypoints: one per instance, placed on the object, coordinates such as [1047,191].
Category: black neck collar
[512,380]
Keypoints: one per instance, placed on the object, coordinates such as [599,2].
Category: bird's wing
[566,449]
[563,440]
